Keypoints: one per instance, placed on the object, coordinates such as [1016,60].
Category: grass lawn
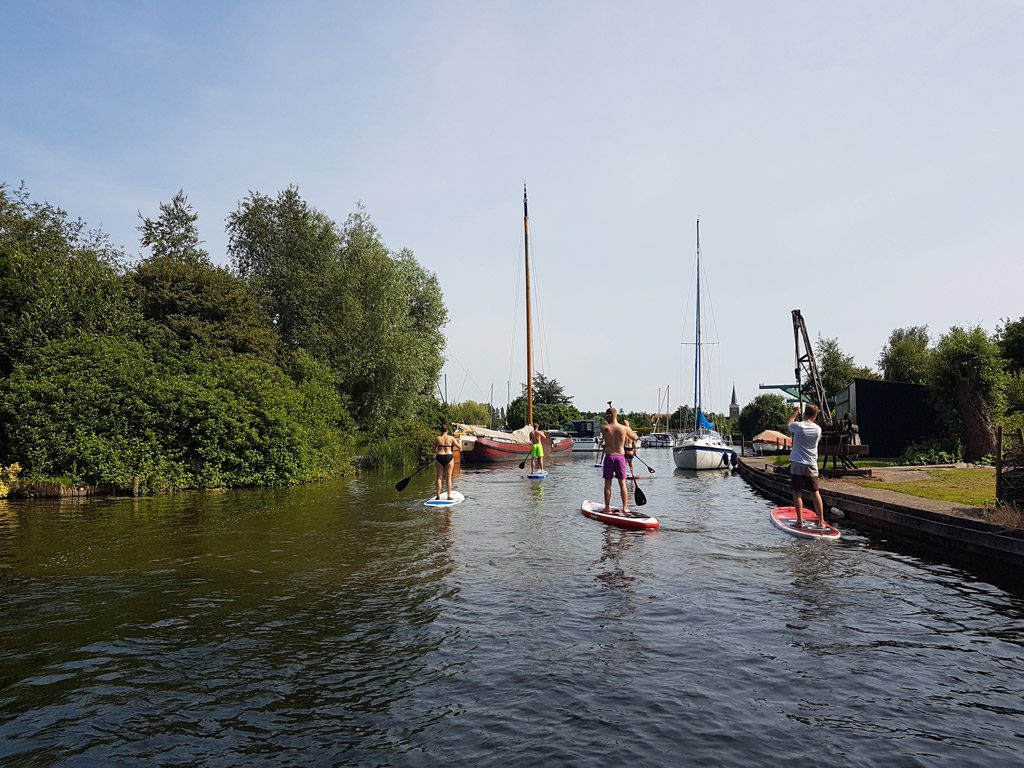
[972,487]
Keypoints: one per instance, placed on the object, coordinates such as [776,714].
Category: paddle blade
[522,464]
[641,497]
[651,470]
[400,485]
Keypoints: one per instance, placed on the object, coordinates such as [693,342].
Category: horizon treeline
[171,372]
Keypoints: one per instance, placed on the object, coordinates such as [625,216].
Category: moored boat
[702,447]
[480,445]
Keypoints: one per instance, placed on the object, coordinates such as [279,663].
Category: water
[347,625]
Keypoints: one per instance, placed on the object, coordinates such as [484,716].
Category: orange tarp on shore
[771,437]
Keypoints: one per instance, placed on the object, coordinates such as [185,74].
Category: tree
[1010,337]
[966,381]
[56,280]
[763,412]
[374,317]
[174,233]
[179,289]
[547,415]
[836,369]
[905,356]
[471,412]
[548,391]
[287,252]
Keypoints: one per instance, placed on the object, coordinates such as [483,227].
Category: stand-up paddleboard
[784,518]
[595,510]
[540,474]
[444,501]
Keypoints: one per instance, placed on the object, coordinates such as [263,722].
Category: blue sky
[859,161]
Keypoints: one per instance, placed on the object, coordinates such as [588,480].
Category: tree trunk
[977,418]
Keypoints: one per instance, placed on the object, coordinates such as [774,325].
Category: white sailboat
[702,447]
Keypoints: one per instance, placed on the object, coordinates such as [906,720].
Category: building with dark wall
[890,414]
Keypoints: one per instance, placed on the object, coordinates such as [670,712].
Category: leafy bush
[8,476]
[918,454]
[108,410]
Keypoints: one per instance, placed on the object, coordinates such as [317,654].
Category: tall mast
[696,361]
[529,330]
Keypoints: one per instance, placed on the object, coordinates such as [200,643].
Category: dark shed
[890,414]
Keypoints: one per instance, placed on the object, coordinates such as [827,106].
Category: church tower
[734,408]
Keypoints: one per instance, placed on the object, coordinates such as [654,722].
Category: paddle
[649,467]
[400,485]
[522,464]
[641,498]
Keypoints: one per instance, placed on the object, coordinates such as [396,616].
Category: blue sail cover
[704,423]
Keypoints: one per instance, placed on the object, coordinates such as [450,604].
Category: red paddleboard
[634,520]
[784,518]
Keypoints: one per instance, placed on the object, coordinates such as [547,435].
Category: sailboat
[702,447]
[489,445]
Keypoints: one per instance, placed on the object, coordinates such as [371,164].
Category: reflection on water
[346,624]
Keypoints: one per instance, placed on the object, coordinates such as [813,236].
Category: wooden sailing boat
[702,447]
[488,445]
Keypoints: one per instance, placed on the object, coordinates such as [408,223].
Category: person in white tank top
[803,461]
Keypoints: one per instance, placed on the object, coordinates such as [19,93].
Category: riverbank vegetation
[172,372]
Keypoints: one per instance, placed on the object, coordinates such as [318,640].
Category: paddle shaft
[400,485]
[649,467]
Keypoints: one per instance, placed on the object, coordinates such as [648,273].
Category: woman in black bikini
[444,459]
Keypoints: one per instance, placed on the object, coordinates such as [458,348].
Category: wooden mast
[529,330]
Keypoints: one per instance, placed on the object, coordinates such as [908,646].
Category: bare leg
[438,469]
[819,507]
[607,494]
[798,502]
[625,497]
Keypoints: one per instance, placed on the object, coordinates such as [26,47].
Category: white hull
[702,453]
[585,445]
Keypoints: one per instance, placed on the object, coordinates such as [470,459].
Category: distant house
[890,414]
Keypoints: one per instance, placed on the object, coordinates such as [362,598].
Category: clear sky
[861,161]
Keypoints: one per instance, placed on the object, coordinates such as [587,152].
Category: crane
[839,440]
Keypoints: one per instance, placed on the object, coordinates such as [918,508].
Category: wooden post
[135,486]
[999,462]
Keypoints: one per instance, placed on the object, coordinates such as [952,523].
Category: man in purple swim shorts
[615,436]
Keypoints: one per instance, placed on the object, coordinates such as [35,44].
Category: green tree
[56,279]
[174,232]
[547,415]
[374,317]
[548,391]
[905,355]
[836,369]
[966,381]
[1010,337]
[179,289]
[287,252]
[763,412]
[471,412]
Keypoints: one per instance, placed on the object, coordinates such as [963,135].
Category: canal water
[345,624]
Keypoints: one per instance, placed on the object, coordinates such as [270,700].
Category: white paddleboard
[539,475]
[444,501]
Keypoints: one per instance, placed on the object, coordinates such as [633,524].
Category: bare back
[443,444]
[615,436]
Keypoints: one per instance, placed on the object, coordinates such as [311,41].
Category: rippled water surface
[345,624]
